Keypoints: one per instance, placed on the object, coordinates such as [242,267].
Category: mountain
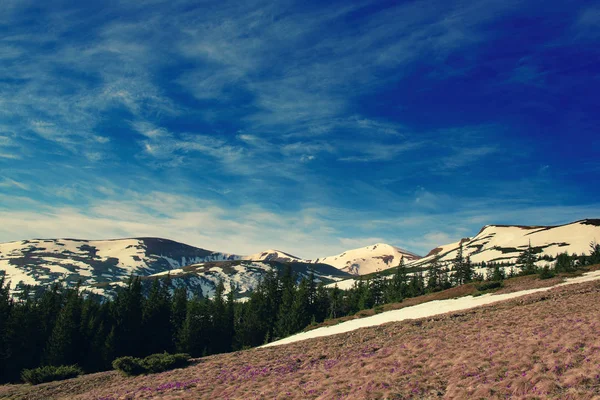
[368,259]
[272,255]
[44,261]
[245,275]
[103,265]
[504,243]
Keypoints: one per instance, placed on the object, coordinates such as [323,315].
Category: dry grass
[545,345]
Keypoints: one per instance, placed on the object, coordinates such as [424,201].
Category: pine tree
[156,318]
[526,261]
[64,344]
[128,319]
[398,287]
[564,263]
[434,275]
[459,266]
[594,257]
[378,286]
[285,320]
[322,305]
[178,312]
[302,307]
[6,306]
[336,302]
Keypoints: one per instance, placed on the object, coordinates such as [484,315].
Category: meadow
[543,345]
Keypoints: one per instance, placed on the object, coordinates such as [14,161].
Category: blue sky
[240,126]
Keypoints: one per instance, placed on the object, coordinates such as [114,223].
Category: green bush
[50,373]
[150,365]
[546,273]
[129,365]
[164,362]
[490,285]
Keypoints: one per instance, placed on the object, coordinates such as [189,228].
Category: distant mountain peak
[368,259]
[272,255]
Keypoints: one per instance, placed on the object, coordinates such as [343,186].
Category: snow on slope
[502,243]
[272,255]
[245,275]
[44,261]
[429,309]
[368,259]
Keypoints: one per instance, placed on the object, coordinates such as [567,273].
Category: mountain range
[103,265]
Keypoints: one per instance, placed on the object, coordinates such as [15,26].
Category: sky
[311,127]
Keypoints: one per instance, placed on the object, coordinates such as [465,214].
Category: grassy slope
[545,345]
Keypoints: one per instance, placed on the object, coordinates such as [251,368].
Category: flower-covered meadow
[545,345]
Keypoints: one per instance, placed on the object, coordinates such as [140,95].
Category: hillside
[504,243]
[541,345]
[369,259]
[272,255]
[243,274]
[96,262]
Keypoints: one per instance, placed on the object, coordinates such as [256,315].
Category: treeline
[65,326]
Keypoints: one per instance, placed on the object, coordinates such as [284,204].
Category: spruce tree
[178,312]
[285,319]
[156,318]
[564,263]
[64,344]
[128,319]
[594,257]
[434,275]
[526,261]
[459,266]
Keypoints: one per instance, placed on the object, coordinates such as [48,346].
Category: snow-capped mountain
[44,261]
[242,274]
[272,255]
[369,259]
[103,265]
[504,243]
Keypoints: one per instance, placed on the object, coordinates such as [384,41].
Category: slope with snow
[272,255]
[504,243]
[423,310]
[369,259]
[243,275]
[44,261]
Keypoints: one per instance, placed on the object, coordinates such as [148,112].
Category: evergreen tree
[397,289]
[378,286]
[564,263]
[285,319]
[195,335]
[417,285]
[302,307]
[458,266]
[156,318]
[64,344]
[434,275]
[178,312]
[336,302]
[128,320]
[526,261]
[594,257]
[6,306]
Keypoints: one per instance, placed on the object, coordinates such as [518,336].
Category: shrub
[546,273]
[152,364]
[163,362]
[129,365]
[489,285]
[50,373]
